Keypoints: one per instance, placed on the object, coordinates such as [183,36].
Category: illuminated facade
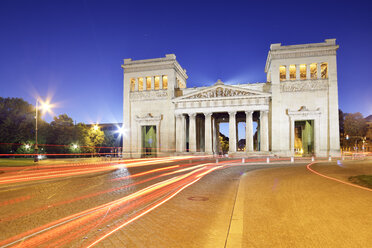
[295,110]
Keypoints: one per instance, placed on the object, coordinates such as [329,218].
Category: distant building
[296,109]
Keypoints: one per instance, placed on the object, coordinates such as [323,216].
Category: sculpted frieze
[148,95]
[308,85]
[220,92]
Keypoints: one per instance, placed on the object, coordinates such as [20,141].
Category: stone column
[292,136]
[178,132]
[287,77]
[152,83]
[192,132]
[218,137]
[232,132]
[136,85]
[308,74]
[264,132]
[183,133]
[248,131]
[160,82]
[298,77]
[215,137]
[318,70]
[208,133]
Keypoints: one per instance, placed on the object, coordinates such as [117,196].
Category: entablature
[219,91]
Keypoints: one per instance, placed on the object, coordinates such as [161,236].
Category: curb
[235,234]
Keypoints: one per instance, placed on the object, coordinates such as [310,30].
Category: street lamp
[45,106]
[120,130]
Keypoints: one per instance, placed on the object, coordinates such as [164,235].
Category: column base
[250,154]
[335,153]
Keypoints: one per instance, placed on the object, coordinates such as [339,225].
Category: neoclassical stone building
[295,112]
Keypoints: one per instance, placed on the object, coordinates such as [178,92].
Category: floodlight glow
[120,130]
[27,146]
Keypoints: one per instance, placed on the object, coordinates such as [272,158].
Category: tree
[93,137]
[224,143]
[341,119]
[17,124]
[62,132]
[355,128]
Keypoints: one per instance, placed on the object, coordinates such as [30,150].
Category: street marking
[235,232]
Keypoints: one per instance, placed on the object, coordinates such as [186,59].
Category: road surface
[174,202]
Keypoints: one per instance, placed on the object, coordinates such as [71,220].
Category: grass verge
[362,180]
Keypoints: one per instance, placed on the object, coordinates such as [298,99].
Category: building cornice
[168,62]
[277,51]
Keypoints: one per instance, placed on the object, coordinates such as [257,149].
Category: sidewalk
[292,207]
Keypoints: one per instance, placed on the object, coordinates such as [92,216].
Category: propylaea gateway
[293,113]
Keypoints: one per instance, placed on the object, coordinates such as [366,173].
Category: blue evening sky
[73,50]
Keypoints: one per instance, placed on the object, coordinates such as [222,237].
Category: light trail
[69,228]
[63,171]
[335,179]
[10,218]
[87,215]
[149,209]
[56,175]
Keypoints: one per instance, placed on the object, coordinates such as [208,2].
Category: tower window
[165,82]
[132,84]
[302,71]
[292,72]
[148,83]
[324,70]
[282,73]
[313,71]
[157,83]
[140,84]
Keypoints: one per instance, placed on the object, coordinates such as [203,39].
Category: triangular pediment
[222,91]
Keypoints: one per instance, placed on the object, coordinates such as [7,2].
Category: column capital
[264,111]
[232,113]
[208,114]
[249,112]
[192,115]
[178,115]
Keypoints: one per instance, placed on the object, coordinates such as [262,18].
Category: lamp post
[36,158]
[45,106]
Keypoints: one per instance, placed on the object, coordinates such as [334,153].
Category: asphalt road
[77,205]
[168,202]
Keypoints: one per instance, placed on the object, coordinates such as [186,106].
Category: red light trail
[117,213]
[52,172]
[335,179]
